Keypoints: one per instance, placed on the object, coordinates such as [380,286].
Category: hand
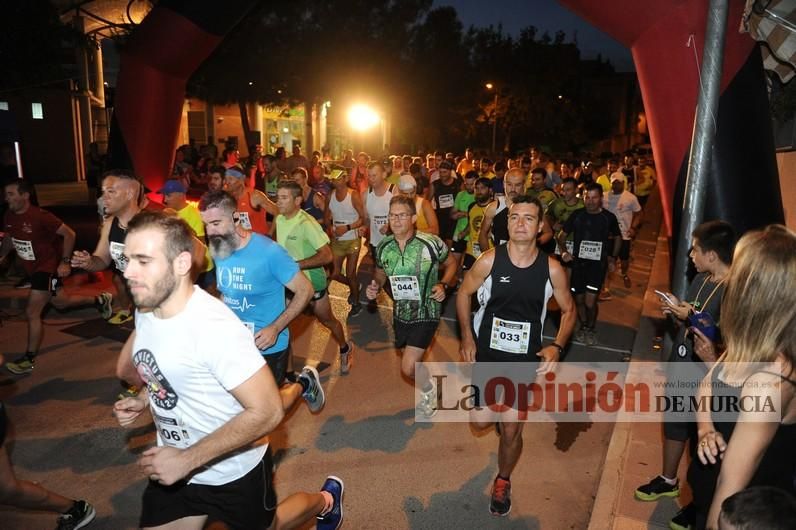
[266,337]
[631,232]
[372,290]
[383,229]
[339,230]
[710,446]
[362,231]
[467,349]
[128,409]
[438,292]
[677,308]
[703,346]
[81,259]
[567,257]
[550,356]
[165,465]
[63,270]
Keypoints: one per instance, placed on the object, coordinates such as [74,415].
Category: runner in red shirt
[44,244]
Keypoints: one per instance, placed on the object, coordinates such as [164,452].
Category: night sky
[545,15]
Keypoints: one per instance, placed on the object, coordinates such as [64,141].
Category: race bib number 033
[510,336]
[405,288]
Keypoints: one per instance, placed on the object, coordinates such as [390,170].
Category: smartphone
[665,297]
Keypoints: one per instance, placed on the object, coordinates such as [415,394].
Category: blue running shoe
[334,518]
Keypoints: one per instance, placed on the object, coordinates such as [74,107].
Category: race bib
[510,336]
[380,220]
[592,250]
[243,219]
[172,431]
[24,249]
[445,201]
[570,247]
[476,250]
[249,326]
[117,255]
[405,288]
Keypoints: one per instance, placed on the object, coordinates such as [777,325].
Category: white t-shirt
[623,206]
[189,363]
[378,208]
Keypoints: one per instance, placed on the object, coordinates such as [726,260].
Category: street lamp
[362,118]
[490,86]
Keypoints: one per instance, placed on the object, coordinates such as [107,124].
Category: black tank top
[445,195]
[500,223]
[513,306]
[776,468]
[116,237]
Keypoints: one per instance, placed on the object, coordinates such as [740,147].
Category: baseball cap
[618,176]
[234,172]
[335,174]
[172,186]
[445,165]
[407,183]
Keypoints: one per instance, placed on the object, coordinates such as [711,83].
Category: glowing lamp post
[362,118]
[490,86]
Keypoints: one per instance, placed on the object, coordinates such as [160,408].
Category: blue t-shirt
[252,283]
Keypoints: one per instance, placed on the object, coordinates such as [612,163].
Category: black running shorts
[244,504]
[417,334]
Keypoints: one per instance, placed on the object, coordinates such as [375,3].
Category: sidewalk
[635,452]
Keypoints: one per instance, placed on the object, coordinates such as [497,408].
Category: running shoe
[121,317]
[657,488]
[314,395]
[580,335]
[24,283]
[428,403]
[104,301]
[22,365]
[591,337]
[81,514]
[346,360]
[356,309]
[605,295]
[500,502]
[332,519]
[627,281]
[685,518]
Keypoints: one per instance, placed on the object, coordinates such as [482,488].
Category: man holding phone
[696,341]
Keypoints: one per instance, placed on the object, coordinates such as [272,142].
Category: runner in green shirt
[308,244]
[559,211]
[410,261]
[461,205]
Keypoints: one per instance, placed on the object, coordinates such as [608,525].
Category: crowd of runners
[508,240]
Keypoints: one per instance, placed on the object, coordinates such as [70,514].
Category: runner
[43,243]
[210,395]
[596,236]
[252,274]
[411,261]
[514,282]
[475,217]
[344,215]
[444,191]
[31,496]
[495,223]
[252,205]
[121,193]
[559,211]
[426,218]
[306,242]
[461,206]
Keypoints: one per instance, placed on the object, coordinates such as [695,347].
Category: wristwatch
[560,348]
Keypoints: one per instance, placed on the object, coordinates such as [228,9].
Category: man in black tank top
[514,283]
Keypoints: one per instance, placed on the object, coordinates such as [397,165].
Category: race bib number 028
[510,336]
[405,288]
[592,250]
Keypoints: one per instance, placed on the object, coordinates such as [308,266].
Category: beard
[223,245]
[161,292]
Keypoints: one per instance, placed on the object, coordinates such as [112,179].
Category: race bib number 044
[510,336]
[405,288]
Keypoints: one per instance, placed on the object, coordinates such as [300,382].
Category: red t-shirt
[33,234]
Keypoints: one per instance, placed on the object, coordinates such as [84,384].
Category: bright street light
[490,86]
[361,117]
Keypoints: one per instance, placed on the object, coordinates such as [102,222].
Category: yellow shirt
[190,214]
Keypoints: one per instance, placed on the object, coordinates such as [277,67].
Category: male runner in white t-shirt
[212,398]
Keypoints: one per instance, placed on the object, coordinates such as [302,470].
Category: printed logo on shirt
[505,279]
[232,278]
[238,305]
[159,388]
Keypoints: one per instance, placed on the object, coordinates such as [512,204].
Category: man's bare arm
[322,257]
[486,225]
